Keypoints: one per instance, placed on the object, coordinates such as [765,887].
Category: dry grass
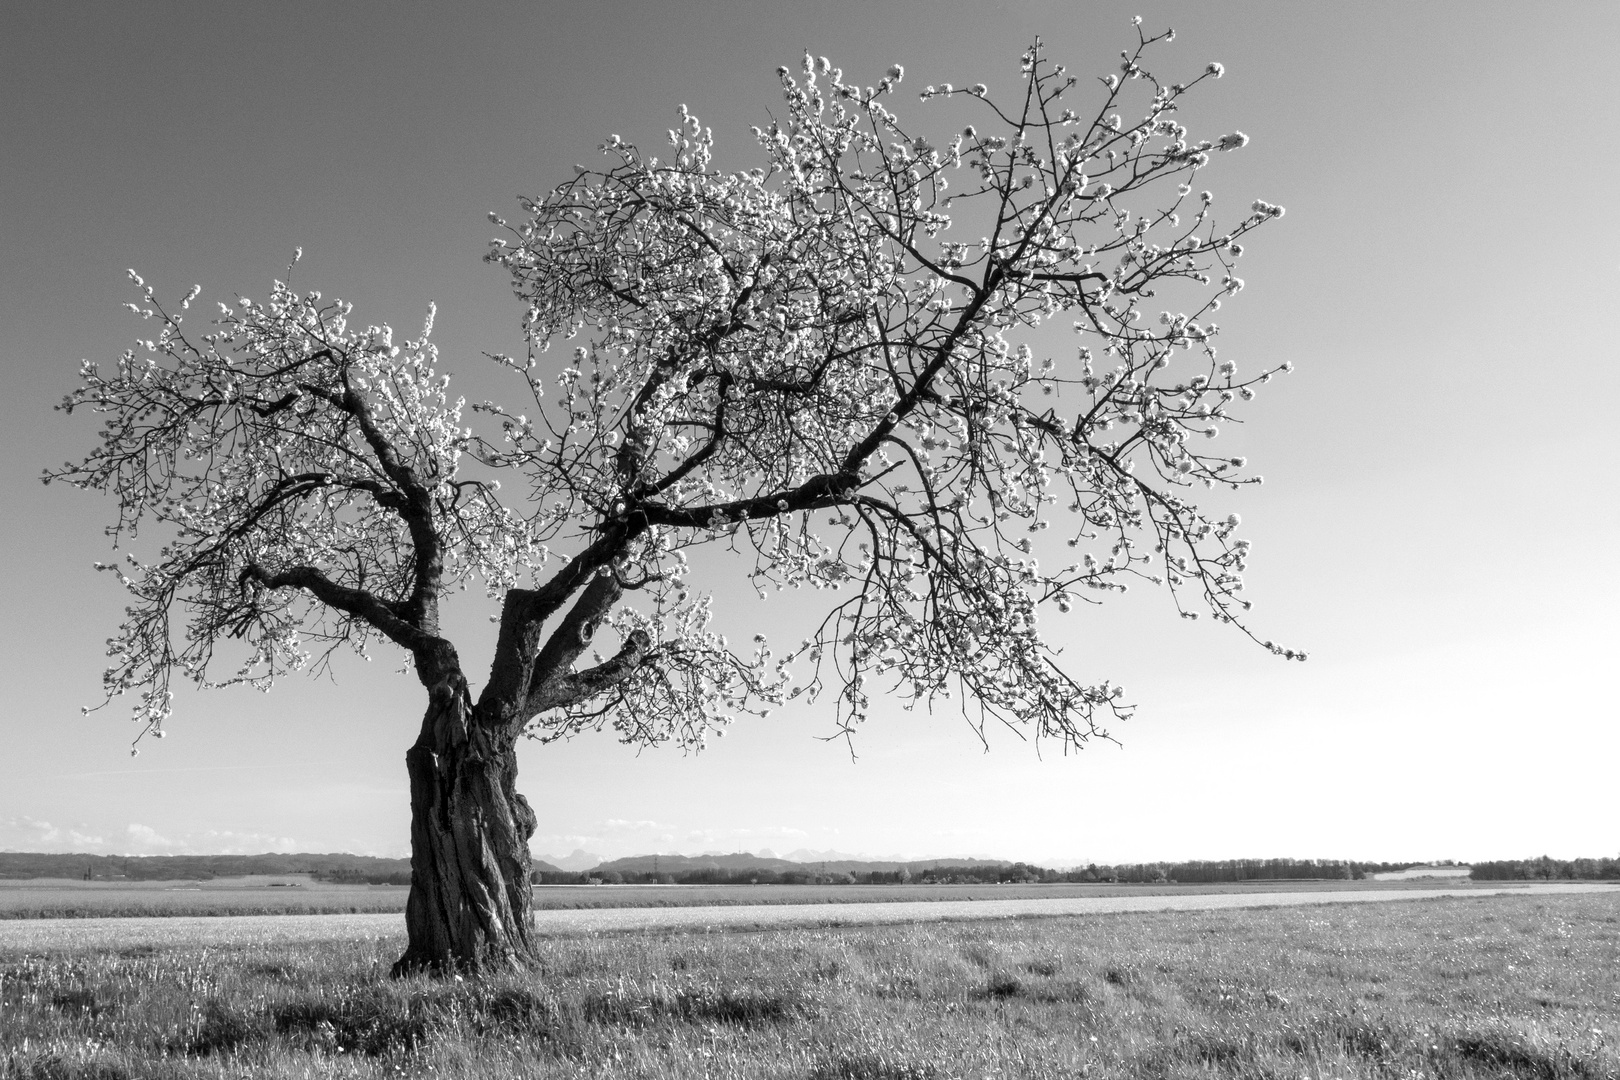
[1491,986]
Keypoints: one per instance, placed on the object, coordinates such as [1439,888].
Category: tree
[825,362]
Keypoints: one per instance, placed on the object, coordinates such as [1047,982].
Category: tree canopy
[823,361]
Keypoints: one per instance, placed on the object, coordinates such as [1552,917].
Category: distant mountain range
[579,860]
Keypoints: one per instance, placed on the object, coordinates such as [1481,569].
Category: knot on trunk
[448,712]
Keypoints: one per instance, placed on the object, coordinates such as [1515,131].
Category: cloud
[28,830]
[30,834]
[24,833]
[145,840]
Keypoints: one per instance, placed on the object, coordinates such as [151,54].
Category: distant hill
[743,861]
[806,855]
[329,867]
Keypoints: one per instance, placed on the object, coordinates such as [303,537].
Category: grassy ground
[46,899]
[1477,987]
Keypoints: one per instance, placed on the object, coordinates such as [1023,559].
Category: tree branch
[356,602]
[552,682]
[827,489]
[525,611]
[416,507]
[592,681]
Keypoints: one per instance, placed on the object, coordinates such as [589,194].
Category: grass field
[1510,986]
[299,895]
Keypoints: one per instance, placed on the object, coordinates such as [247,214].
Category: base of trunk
[470,905]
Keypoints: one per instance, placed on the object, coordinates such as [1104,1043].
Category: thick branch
[526,610]
[572,636]
[356,602]
[592,681]
[553,682]
[827,489]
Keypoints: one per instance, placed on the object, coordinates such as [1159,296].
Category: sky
[1437,525]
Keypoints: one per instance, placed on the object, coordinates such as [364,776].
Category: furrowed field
[1517,986]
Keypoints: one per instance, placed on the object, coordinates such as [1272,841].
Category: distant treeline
[1232,870]
[809,874]
[331,867]
[1225,870]
[400,874]
[1547,869]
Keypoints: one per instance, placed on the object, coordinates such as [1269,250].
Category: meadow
[299,895]
[1488,986]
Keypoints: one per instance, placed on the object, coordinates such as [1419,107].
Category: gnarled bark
[469,909]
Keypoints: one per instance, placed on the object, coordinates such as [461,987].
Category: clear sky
[1437,527]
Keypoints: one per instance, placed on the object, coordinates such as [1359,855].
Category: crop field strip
[1522,985]
[34,899]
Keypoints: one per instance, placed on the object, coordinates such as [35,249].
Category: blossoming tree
[824,362]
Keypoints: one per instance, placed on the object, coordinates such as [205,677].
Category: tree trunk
[469,909]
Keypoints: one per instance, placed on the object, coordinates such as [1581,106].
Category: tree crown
[825,361]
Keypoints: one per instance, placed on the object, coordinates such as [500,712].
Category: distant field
[1416,873]
[1513,986]
[298,895]
[281,895]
